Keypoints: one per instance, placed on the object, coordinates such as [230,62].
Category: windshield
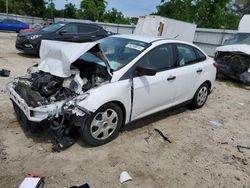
[53,27]
[239,38]
[121,51]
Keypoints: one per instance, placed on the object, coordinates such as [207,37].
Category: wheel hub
[104,124]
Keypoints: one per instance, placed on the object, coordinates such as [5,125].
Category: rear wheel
[200,96]
[103,126]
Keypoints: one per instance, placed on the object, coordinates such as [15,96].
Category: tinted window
[160,58]
[71,28]
[87,28]
[200,55]
[53,27]
[10,22]
[186,54]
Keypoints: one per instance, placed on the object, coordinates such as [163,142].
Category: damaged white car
[101,86]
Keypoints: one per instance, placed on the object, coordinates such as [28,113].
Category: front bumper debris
[50,111]
[36,114]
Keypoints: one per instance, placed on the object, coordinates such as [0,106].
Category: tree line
[205,13]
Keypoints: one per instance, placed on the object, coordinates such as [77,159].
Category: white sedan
[101,86]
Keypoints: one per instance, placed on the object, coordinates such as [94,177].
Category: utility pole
[7,8]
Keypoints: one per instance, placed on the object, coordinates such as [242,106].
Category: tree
[24,7]
[242,7]
[115,16]
[93,9]
[70,11]
[205,13]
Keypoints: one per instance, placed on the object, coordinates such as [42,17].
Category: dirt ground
[200,155]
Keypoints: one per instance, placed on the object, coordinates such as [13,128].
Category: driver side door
[68,33]
[155,93]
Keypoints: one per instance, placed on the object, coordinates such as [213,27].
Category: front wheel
[103,126]
[200,96]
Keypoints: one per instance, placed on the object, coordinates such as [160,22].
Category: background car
[61,31]
[34,27]
[233,58]
[12,25]
[100,86]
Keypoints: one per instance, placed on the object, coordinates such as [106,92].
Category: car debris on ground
[162,135]
[124,177]
[32,180]
[4,72]
[243,147]
[215,123]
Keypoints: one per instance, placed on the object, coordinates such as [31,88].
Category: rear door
[89,32]
[191,62]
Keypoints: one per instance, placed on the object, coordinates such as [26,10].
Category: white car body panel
[153,93]
[57,56]
[116,91]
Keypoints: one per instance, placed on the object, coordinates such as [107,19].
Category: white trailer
[244,25]
[165,27]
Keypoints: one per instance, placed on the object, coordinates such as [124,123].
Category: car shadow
[38,133]
[232,82]
[42,134]
[28,55]
[148,120]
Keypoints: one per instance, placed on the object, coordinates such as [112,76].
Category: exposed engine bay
[41,88]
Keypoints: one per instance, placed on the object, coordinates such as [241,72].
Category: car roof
[142,38]
[150,39]
[66,22]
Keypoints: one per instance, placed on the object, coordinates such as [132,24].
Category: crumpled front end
[234,62]
[28,104]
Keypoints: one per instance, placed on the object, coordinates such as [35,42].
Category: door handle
[171,78]
[199,70]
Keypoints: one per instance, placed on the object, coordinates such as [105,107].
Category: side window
[186,54]
[200,55]
[71,28]
[85,29]
[160,58]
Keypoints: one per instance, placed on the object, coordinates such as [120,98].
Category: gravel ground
[200,155]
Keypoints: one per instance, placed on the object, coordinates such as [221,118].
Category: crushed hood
[244,48]
[56,56]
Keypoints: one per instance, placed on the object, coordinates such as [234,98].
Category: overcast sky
[127,7]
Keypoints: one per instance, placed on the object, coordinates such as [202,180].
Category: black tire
[89,128]
[199,100]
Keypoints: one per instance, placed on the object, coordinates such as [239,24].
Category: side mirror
[144,71]
[62,32]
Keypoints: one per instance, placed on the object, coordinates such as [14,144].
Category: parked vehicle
[233,57]
[100,86]
[33,28]
[61,31]
[12,25]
